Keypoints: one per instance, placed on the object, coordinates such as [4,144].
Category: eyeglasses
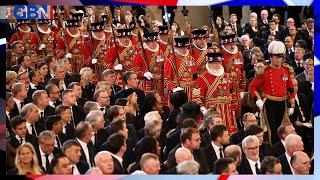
[252,148]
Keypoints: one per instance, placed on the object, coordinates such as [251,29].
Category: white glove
[94,61]
[42,46]
[291,111]
[68,56]
[259,103]
[203,110]
[148,75]
[118,67]
[241,94]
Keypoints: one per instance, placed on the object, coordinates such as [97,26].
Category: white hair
[188,167]
[291,140]
[244,36]
[151,116]
[276,47]
[94,171]
[101,154]
[92,117]
[249,139]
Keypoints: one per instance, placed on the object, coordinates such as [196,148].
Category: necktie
[21,104]
[41,115]
[72,169]
[58,142]
[257,169]
[34,132]
[299,64]
[95,138]
[221,152]
[21,141]
[102,109]
[47,163]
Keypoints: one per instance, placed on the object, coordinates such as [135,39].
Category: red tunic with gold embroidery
[48,40]
[233,64]
[79,48]
[29,40]
[99,50]
[126,55]
[154,64]
[273,82]
[200,59]
[165,48]
[178,71]
[214,92]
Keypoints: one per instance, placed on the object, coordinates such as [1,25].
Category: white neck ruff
[108,30]
[219,72]
[25,31]
[48,31]
[99,39]
[120,43]
[233,52]
[201,49]
[181,54]
[149,49]
[73,35]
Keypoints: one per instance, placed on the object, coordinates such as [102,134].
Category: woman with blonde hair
[26,161]
[86,83]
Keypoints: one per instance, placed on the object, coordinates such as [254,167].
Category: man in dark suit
[190,139]
[264,148]
[20,93]
[102,98]
[19,137]
[31,114]
[264,21]
[54,97]
[236,27]
[55,125]
[283,131]
[41,100]
[234,151]
[46,150]
[83,136]
[97,121]
[247,120]
[109,75]
[182,154]
[251,161]
[279,33]
[307,65]
[293,143]
[225,166]
[69,99]
[298,63]
[76,88]
[300,163]
[271,165]
[117,146]
[219,138]
[302,114]
[35,79]
[72,149]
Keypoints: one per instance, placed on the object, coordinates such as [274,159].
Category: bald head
[183,154]
[300,163]
[233,151]
[293,143]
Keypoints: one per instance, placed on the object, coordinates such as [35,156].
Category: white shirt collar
[75,170]
[51,104]
[29,128]
[216,149]
[118,158]
[253,165]
[289,159]
[33,86]
[18,138]
[17,101]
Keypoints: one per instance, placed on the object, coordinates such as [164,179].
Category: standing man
[234,65]
[275,83]
[213,90]
[180,67]
[199,49]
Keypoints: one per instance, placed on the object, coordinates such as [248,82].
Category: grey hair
[248,139]
[188,167]
[92,117]
[26,108]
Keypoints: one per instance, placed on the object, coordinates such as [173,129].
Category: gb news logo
[31,12]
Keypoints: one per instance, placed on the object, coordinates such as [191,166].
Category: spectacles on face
[252,148]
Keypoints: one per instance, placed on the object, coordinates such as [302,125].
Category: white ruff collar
[99,39]
[27,31]
[215,73]
[234,52]
[73,35]
[201,49]
[48,31]
[120,43]
[148,48]
[181,54]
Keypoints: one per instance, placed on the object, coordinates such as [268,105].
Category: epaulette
[290,68]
